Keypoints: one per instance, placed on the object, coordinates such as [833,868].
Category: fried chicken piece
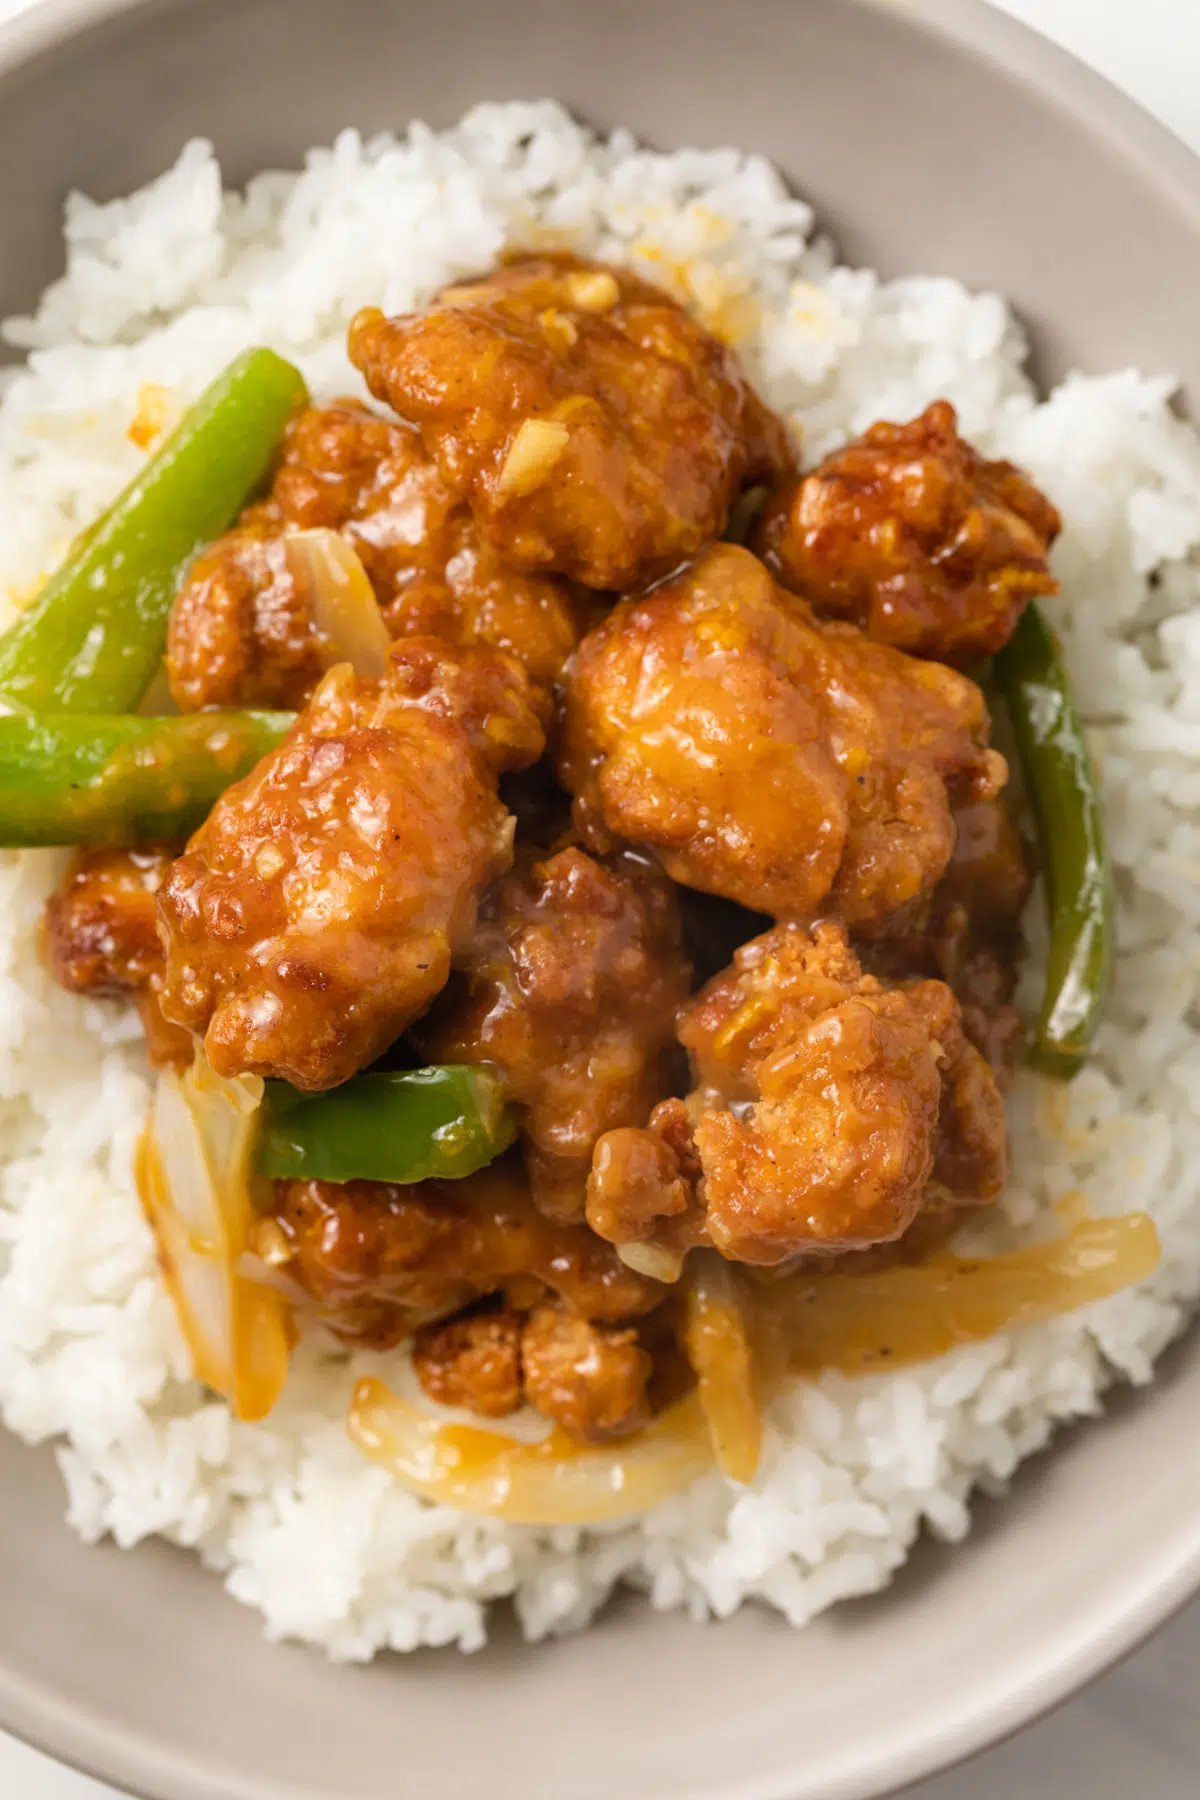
[569,986]
[590,1379]
[242,631]
[473,1361]
[316,911]
[100,936]
[379,1259]
[101,927]
[988,874]
[468,596]
[913,535]
[593,426]
[794,768]
[969,933]
[829,1111]
[643,1182]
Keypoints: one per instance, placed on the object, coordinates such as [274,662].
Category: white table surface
[1136,1734]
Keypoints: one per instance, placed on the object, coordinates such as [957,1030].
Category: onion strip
[556,1482]
[344,609]
[719,1346]
[194,1172]
[860,1324]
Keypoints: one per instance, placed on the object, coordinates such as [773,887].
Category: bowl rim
[41,1716]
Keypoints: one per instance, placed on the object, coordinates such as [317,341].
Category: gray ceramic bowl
[932,136]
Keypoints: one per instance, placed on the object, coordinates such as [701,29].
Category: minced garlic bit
[560,329]
[268,862]
[533,452]
[269,1244]
[592,290]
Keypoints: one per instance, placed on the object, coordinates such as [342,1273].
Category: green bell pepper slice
[95,635]
[88,778]
[409,1125]
[1065,800]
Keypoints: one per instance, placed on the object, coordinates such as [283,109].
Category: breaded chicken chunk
[316,911]
[829,1109]
[569,987]
[913,535]
[377,1259]
[242,629]
[100,936]
[795,768]
[590,1379]
[593,426]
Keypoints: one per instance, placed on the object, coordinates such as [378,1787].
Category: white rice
[165,287]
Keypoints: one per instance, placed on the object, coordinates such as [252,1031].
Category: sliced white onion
[558,1482]
[195,1171]
[720,1349]
[349,624]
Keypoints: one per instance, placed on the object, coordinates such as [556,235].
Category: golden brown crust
[569,986]
[377,1258]
[242,630]
[792,768]
[777,752]
[473,1361]
[590,1379]
[643,426]
[100,934]
[315,913]
[828,1110]
[913,535]
[969,932]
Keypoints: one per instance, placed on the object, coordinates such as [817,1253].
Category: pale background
[1136,1734]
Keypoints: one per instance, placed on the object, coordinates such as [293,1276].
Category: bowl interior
[933,137]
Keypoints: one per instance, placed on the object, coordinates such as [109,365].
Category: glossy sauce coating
[537,528]
[101,927]
[242,630]
[592,425]
[828,1108]
[473,1361]
[969,933]
[100,936]
[794,768]
[590,1379]
[316,912]
[913,535]
[378,1259]
[569,985]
